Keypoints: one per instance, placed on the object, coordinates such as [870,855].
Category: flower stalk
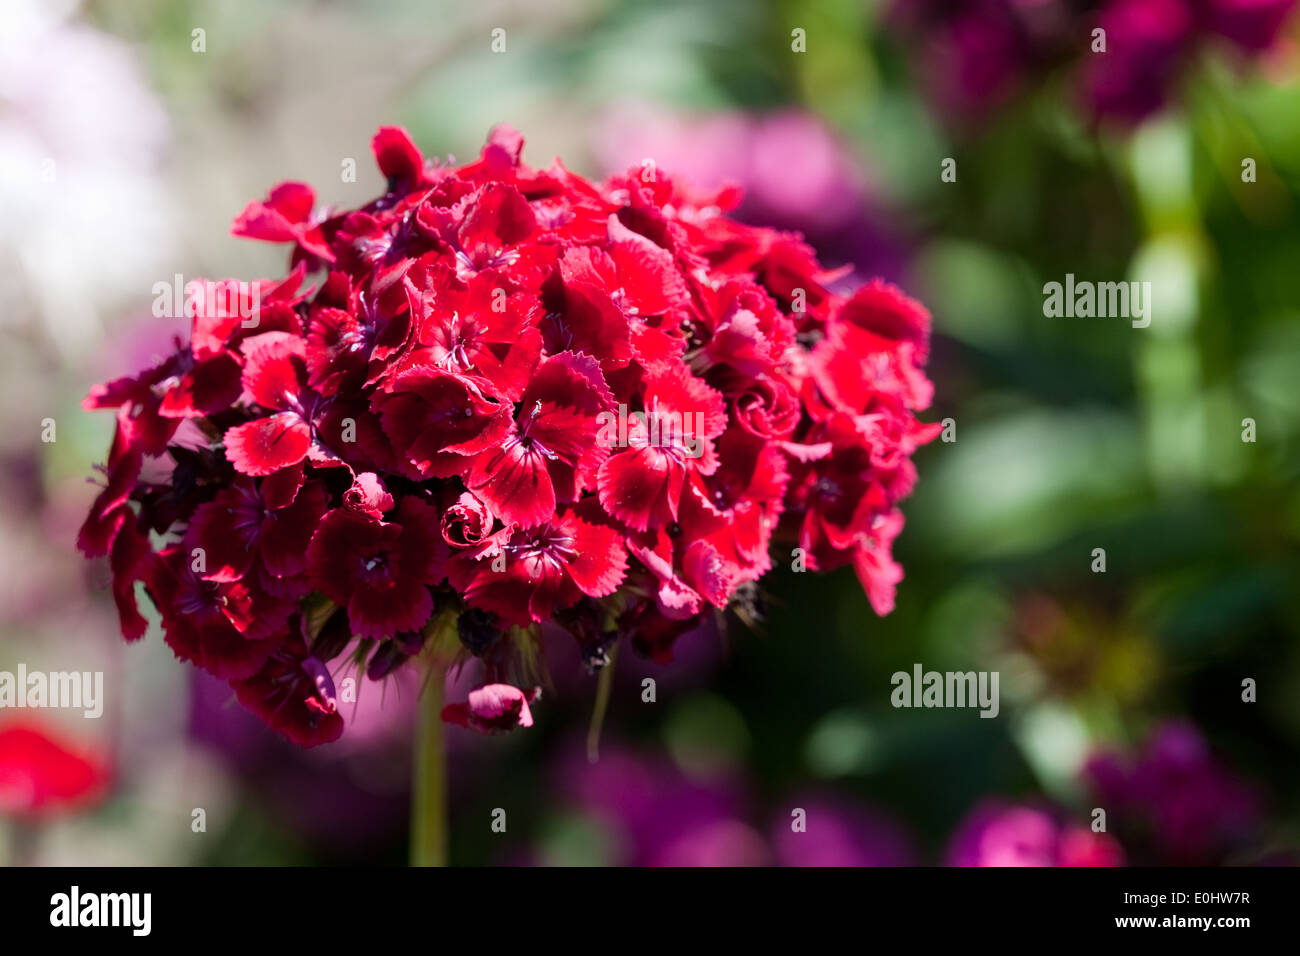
[603,690]
[429,780]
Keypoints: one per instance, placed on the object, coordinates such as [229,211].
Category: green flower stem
[429,783]
[603,689]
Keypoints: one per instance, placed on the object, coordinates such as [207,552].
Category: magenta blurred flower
[1003,834]
[1175,795]
[658,816]
[839,832]
[976,55]
[985,47]
[988,49]
[1254,25]
[1146,41]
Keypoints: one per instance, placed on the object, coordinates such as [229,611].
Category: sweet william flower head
[502,396]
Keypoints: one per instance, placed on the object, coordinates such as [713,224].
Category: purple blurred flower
[1254,25]
[839,833]
[1002,834]
[985,50]
[657,816]
[1149,41]
[1146,43]
[660,817]
[1192,810]
[976,55]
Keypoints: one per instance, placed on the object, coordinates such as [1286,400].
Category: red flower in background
[42,775]
[511,396]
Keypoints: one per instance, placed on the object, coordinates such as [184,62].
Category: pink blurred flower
[658,816]
[793,171]
[1001,834]
[839,832]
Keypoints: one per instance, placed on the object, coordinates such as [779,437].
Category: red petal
[515,482]
[651,282]
[499,217]
[279,489]
[601,563]
[383,614]
[634,485]
[398,158]
[261,221]
[227,530]
[266,445]
[275,370]
[286,533]
[293,200]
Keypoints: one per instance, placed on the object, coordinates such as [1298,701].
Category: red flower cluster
[510,394]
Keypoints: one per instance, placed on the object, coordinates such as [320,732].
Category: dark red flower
[476,327]
[438,420]
[544,568]
[671,440]
[493,709]
[243,524]
[846,500]
[875,344]
[636,284]
[551,451]
[227,628]
[380,571]
[275,379]
[294,694]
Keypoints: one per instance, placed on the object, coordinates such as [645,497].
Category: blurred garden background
[125,153]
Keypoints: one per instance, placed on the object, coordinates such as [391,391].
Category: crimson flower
[505,397]
[379,570]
